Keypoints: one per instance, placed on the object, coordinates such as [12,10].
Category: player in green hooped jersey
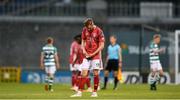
[50,62]
[156,68]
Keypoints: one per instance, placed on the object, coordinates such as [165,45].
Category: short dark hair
[113,35]
[88,21]
[49,40]
[78,38]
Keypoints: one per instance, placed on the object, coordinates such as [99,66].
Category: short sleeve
[83,34]
[42,50]
[118,46]
[55,50]
[151,46]
[101,36]
[75,49]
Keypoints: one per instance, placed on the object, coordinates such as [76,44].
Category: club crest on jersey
[94,34]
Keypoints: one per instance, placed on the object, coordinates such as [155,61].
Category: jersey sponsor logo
[94,35]
[86,33]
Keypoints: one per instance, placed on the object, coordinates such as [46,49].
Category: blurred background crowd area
[25,24]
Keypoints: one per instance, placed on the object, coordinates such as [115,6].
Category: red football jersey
[80,55]
[92,40]
[76,50]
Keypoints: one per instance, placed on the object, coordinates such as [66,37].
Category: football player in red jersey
[75,60]
[92,45]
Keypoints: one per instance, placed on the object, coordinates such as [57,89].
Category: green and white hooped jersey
[49,52]
[153,55]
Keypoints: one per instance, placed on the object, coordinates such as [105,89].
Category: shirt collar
[113,45]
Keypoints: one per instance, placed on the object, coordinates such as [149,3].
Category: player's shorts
[112,65]
[76,67]
[156,66]
[50,69]
[91,64]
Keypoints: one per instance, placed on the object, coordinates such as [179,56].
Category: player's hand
[42,66]
[163,50]
[89,55]
[84,52]
[73,65]
[58,66]
[120,65]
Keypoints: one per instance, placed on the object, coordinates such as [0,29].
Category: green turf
[62,91]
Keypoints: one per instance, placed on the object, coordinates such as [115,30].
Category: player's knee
[84,73]
[115,74]
[106,73]
[161,74]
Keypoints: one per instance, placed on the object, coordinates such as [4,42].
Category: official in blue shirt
[113,60]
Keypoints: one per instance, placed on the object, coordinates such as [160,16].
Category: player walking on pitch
[92,44]
[75,60]
[50,62]
[156,68]
[113,60]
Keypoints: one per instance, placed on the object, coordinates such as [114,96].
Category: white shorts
[156,66]
[91,64]
[50,69]
[76,67]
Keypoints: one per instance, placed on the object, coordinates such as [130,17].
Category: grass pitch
[62,91]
